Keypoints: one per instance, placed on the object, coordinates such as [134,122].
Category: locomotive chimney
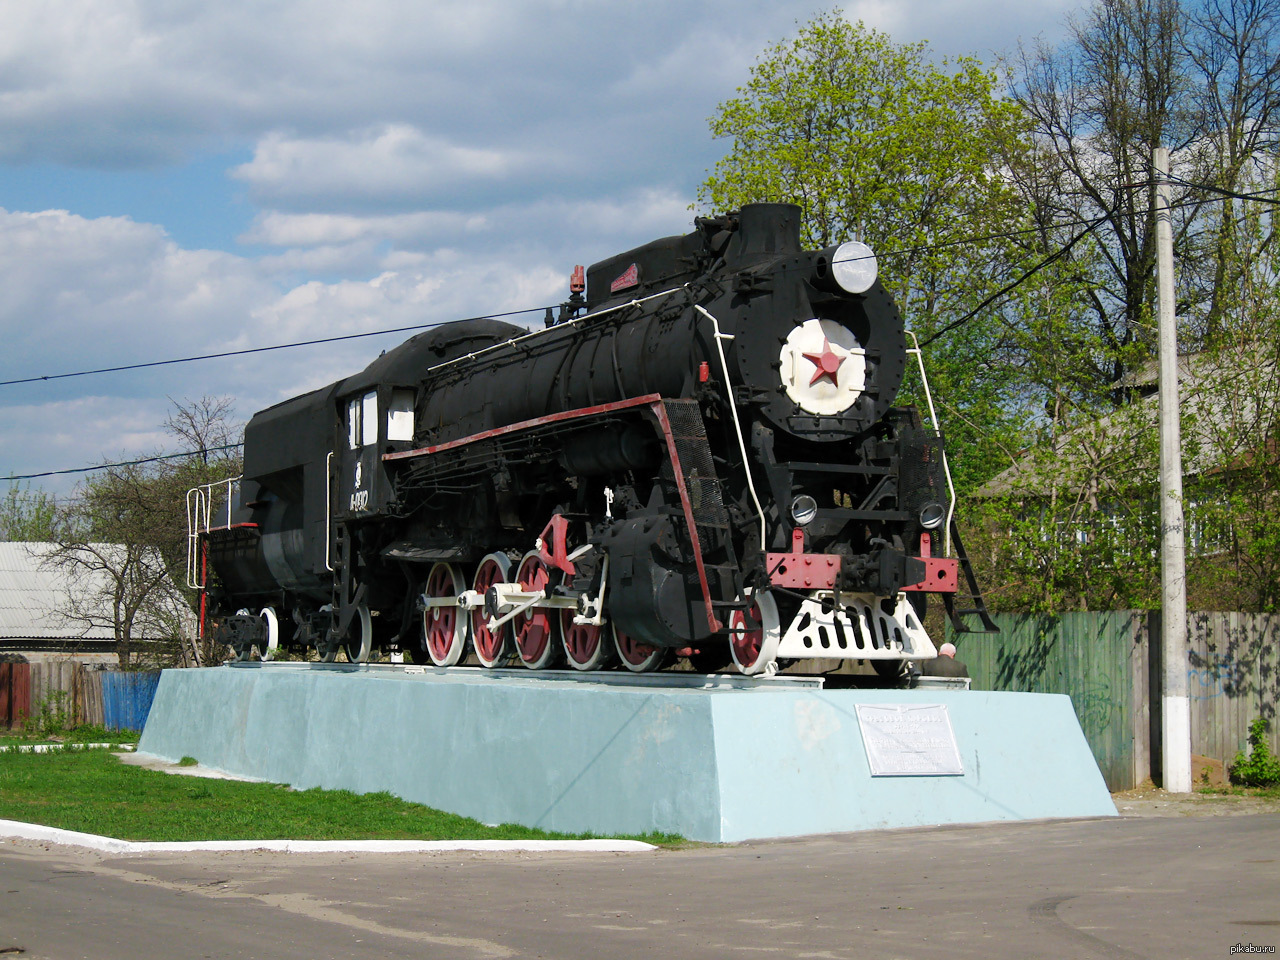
[765,229]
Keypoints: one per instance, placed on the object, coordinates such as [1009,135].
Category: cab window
[400,415]
[362,420]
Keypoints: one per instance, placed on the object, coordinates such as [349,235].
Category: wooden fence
[83,693]
[1110,666]
[1233,676]
[15,692]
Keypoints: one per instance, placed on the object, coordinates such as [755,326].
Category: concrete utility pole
[1176,704]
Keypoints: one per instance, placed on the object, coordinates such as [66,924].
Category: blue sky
[180,177]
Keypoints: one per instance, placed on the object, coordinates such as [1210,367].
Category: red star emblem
[827,363]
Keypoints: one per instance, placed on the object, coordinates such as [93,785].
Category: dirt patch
[1150,801]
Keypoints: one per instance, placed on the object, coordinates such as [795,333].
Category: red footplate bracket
[806,571]
[941,575]
[800,570]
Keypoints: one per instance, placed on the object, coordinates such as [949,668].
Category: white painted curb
[14,829]
[49,747]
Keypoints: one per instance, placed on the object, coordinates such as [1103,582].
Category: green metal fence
[1099,660]
[1109,664]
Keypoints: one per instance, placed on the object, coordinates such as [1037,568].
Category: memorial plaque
[909,740]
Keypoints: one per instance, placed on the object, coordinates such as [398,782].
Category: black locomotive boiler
[700,455]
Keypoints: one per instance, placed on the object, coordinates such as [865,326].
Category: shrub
[52,717]
[1261,768]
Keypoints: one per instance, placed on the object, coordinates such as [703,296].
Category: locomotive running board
[860,629]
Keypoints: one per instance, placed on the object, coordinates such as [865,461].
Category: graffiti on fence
[1094,703]
[1218,675]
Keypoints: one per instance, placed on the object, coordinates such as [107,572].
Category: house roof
[1230,409]
[32,594]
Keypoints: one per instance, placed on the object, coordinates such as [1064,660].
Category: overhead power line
[1088,227]
[1257,197]
[123,463]
[924,248]
[248,350]
[1010,287]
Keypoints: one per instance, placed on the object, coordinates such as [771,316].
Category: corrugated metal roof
[34,594]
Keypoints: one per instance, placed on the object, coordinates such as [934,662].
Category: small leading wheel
[326,649]
[268,614]
[636,656]
[586,647]
[444,631]
[533,628]
[492,646]
[245,649]
[754,644]
[357,647]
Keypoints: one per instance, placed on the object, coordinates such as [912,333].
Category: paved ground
[1165,880]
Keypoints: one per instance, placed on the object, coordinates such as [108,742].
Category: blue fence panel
[126,698]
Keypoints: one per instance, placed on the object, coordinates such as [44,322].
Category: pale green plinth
[715,765]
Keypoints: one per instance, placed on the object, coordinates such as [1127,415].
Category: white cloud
[411,163]
[97,292]
[278,229]
[92,293]
[392,162]
[623,219]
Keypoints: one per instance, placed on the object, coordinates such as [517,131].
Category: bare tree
[1203,81]
[119,577]
[1234,46]
[126,540]
[1099,104]
[204,425]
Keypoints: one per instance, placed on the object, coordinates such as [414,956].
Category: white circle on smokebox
[824,369]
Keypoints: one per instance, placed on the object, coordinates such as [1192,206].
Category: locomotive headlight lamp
[804,509]
[852,266]
[932,514]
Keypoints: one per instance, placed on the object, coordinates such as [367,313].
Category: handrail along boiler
[700,455]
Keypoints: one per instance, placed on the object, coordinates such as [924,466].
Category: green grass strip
[80,734]
[93,792]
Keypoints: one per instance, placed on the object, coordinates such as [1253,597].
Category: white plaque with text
[909,740]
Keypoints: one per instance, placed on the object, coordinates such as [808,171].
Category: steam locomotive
[699,456]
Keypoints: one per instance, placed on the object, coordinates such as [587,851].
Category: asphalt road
[1115,889]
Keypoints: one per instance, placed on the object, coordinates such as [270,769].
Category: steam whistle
[576,302]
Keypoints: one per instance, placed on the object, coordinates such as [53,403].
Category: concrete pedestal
[723,764]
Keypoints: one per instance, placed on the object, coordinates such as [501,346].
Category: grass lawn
[1266,793]
[92,791]
[81,734]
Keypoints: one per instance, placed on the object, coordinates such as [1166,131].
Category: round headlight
[932,514]
[853,267]
[803,509]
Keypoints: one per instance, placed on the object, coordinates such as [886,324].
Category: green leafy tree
[876,142]
[29,515]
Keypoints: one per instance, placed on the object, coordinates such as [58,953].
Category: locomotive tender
[700,455]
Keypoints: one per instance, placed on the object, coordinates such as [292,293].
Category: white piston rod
[512,600]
